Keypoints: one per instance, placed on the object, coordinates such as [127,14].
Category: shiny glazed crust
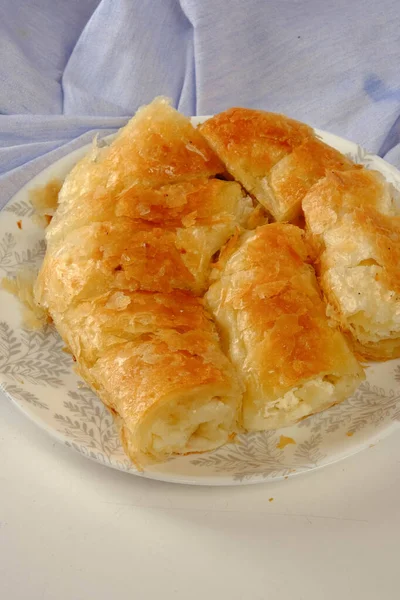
[275,158]
[129,248]
[273,324]
[354,223]
[142,227]
[158,146]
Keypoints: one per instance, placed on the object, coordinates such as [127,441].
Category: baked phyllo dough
[275,158]
[158,146]
[105,243]
[121,255]
[129,250]
[208,202]
[272,320]
[155,360]
[354,222]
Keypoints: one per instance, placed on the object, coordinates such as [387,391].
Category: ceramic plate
[36,374]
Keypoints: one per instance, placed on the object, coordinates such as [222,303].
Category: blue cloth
[72,68]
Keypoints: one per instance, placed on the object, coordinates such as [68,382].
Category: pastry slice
[155,360]
[170,247]
[354,222]
[158,146]
[102,257]
[130,245]
[201,202]
[292,177]
[275,158]
[168,398]
[93,326]
[272,320]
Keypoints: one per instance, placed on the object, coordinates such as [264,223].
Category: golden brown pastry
[95,325]
[124,255]
[140,226]
[275,158]
[207,202]
[273,325]
[292,177]
[134,227]
[158,146]
[170,398]
[155,361]
[144,239]
[354,223]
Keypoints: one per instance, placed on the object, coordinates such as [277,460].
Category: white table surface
[71,529]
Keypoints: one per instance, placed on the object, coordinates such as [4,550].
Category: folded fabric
[69,69]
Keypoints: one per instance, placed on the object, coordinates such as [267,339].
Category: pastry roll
[156,362]
[202,202]
[292,177]
[354,222]
[93,326]
[129,248]
[275,158]
[273,325]
[121,255]
[158,146]
[170,247]
[168,397]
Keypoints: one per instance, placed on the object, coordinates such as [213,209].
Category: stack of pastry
[352,217]
[128,256]
[189,315]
